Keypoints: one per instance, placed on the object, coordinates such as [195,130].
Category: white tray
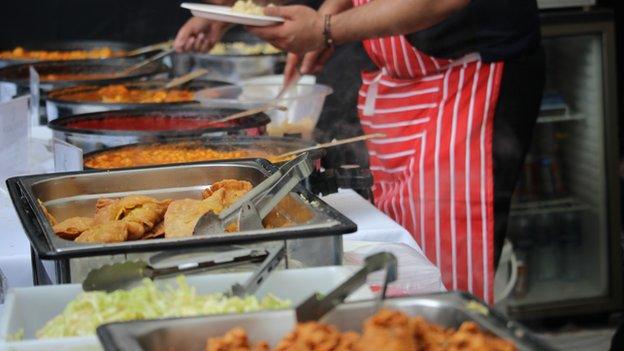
[30,308]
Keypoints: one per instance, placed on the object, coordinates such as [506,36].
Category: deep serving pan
[69,129]
[272,145]
[74,194]
[449,310]
[16,78]
[58,105]
[231,68]
[67,46]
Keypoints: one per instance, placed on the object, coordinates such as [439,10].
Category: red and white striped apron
[433,171]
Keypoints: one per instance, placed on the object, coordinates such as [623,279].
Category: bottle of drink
[545,258]
[521,236]
[570,241]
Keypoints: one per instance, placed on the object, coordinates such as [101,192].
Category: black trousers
[518,106]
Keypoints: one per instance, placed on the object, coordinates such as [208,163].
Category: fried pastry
[110,232]
[71,228]
[234,189]
[182,215]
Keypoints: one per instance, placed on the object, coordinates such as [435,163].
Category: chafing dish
[231,68]
[74,194]
[17,77]
[190,334]
[271,145]
[57,104]
[70,129]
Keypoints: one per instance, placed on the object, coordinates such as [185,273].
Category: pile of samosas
[140,217]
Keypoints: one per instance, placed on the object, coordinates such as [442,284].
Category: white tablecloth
[374,227]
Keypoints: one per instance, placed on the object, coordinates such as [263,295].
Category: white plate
[225,14]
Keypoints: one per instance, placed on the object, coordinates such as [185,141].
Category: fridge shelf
[565,204]
[564,117]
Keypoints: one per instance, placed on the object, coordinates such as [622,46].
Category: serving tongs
[247,213]
[315,307]
[123,275]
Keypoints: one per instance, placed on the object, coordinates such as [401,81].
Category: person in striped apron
[456,94]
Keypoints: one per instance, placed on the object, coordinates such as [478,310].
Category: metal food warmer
[313,240]
[448,310]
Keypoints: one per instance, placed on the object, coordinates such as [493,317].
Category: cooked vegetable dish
[146,155]
[119,93]
[387,330]
[19,53]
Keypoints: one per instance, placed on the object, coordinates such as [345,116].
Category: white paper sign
[7,91]
[14,134]
[34,101]
[67,157]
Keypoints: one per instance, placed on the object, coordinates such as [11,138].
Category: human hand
[301,32]
[199,35]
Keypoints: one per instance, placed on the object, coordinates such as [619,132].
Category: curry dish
[136,156]
[139,217]
[19,53]
[119,93]
[387,330]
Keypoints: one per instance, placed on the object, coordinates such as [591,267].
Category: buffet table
[375,229]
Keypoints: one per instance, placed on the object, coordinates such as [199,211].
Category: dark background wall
[137,21]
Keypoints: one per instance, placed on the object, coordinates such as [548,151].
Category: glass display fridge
[564,225]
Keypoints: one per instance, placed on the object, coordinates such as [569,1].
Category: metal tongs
[123,275]
[250,209]
[315,307]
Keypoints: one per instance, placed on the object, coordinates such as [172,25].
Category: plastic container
[28,309]
[304,103]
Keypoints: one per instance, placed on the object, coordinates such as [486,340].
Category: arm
[303,29]
[381,18]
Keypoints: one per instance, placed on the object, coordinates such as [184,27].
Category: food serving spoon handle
[176,82]
[332,144]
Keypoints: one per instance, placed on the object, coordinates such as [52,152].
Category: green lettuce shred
[89,310]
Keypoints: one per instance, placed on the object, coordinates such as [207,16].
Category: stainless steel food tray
[74,194]
[190,334]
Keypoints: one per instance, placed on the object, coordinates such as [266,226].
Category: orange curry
[136,156]
[119,93]
[19,53]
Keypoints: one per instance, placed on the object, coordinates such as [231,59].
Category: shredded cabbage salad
[89,310]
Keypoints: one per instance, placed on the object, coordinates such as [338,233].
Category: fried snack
[470,337]
[235,340]
[144,217]
[182,215]
[157,232]
[71,228]
[311,336]
[106,210]
[48,215]
[387,330]
[111,232]
[19,53]
[234,189]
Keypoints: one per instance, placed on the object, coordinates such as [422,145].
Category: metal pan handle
[260,275]
[26,214]
[315,308]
